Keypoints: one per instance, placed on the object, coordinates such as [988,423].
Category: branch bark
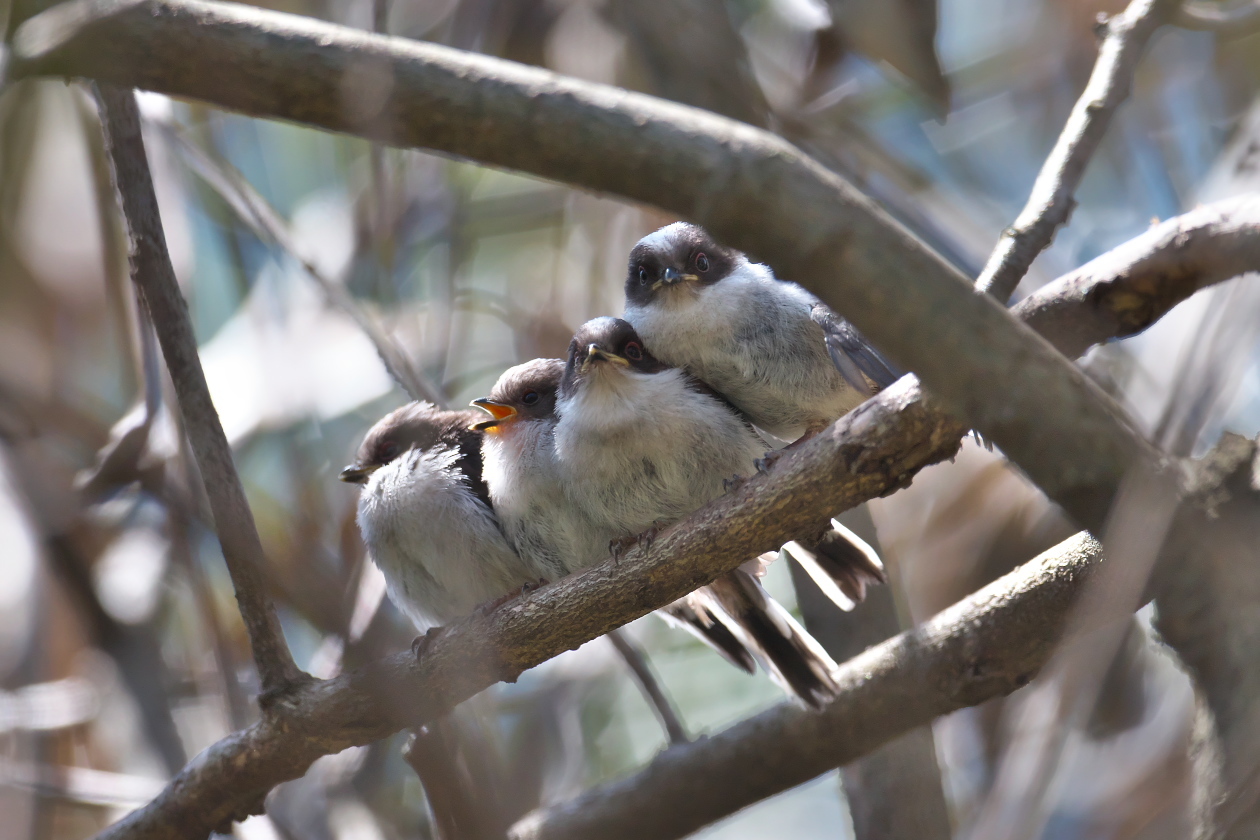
[749,187]
[1051,201]
[159,293]
[871,452]
[986,645]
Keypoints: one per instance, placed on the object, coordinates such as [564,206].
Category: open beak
[672,276]
[498,411]
[595,353]
[358,475]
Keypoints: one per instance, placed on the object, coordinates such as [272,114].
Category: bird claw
[524,589]
[420,644]
[732,484]
[765,462]
[621,545]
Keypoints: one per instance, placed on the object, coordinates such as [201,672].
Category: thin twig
[1051,201]
[159,293]
[653,692]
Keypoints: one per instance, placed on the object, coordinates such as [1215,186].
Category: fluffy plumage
[425,516]
[781,356]
[639,444]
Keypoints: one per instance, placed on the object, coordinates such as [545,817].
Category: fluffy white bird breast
[438,545]
[636,448]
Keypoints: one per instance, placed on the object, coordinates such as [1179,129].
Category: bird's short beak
[358,475]
[498,411]
[672,276]
[595,353]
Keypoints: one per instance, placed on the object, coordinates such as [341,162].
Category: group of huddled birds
[646,420]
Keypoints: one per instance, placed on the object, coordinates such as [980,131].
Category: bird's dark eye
[643,276]
[529,397]
[702,262]
[634,351]
[387,451]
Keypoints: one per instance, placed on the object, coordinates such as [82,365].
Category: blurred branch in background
[895,791]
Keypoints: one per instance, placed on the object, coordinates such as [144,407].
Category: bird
[425,515]
[786,360]
[526,489]
[638,445]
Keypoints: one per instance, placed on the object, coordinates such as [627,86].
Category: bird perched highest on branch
[781,356]
[426,518]
[635,444]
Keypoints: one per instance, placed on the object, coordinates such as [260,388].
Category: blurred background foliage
[121,651]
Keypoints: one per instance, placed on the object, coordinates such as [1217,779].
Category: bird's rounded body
[752,339]
[438,545]
[641,449]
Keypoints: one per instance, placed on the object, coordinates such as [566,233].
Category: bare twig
[984,646]
[650,686]
[1051,201]
[158,292]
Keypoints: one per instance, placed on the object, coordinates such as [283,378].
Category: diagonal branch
[871,452]
[159,293]
[984,646]
[1051,201]
[749,187]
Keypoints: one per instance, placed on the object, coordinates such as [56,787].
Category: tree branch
[1127,289]
[984,646]
[872,451]
[159,293]
[749,187]
[1051,201]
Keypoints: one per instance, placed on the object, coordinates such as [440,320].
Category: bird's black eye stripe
[702,262]
[387,451]
[529,397]
[643,275]
[634,351]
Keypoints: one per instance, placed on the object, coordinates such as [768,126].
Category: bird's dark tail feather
[699,615]
[789,654]
[841,563]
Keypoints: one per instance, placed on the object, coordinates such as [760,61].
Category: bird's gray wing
[855,358]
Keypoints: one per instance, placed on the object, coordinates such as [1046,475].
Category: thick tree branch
[1127,289]
[1051,201]
[871,452]
[984,646]
[750,187]
[159,293]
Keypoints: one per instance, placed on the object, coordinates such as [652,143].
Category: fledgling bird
[781,356]
[526,489]
[640,444]
[426,517]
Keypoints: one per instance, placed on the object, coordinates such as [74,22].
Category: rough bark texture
[1207,613]
[986,645]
